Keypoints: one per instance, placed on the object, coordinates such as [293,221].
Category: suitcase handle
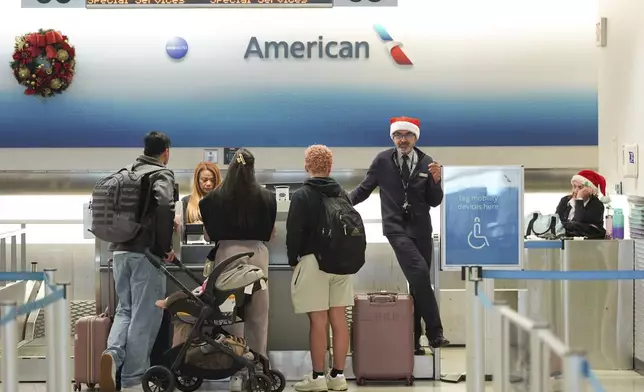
[382,292]
[383,298]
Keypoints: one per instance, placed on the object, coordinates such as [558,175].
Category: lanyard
[412,162]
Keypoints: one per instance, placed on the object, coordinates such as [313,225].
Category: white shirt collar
[411,155]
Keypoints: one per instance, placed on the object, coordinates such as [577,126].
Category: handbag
[548,227]
[586,230]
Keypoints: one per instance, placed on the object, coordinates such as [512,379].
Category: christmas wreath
[43,62]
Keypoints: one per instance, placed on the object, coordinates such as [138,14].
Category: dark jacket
[423,193]
[218,218]
[159,222]
[304,216]
[592,213]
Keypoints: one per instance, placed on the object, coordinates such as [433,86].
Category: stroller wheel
[188,384]
[278,381]
[158,379]
[258,383]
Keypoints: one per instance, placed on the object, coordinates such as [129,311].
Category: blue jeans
[137,320]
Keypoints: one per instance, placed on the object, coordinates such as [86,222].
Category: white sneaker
[310,384]
[337,383]
[107,376]
[236,382]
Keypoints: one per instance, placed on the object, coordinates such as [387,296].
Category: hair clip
[240,159]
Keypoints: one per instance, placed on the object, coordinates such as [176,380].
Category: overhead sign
[205,3]
[482,217]
[320,48]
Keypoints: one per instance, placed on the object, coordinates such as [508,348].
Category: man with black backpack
[326,243]
[133,209]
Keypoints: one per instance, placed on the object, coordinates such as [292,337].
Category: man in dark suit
[410,184]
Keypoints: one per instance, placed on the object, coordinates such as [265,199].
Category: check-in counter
[594,316]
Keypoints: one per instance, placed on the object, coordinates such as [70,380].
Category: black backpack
[117,207]
[342,237]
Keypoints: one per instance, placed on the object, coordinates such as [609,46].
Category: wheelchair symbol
[476,234]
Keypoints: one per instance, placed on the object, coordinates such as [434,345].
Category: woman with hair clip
[240,217]
[206,178]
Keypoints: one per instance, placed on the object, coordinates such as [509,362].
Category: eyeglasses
[403,135]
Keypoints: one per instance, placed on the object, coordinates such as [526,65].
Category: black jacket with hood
[304,216]
[157,235]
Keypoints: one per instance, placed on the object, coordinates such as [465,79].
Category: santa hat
[594,181]
[404,124]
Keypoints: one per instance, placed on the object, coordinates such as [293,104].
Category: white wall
[621,88]
[81,159]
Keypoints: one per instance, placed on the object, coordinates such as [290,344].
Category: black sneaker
[419,351]
[438,342]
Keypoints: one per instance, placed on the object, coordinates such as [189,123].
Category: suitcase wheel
[361,382]
[410,381]
[77,387]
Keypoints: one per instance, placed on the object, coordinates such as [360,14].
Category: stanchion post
[496,346]
[9,348]
[475,343]
[573,372]
[50,332]
[3,259]
[565,293]
[536,359]
[63,355]
[14,254]
[436,265]
[23,247]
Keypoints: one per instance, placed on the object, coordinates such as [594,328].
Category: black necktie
[405,168]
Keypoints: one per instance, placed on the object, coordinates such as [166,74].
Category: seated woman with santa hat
[585,204]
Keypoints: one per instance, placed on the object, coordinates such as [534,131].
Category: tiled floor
[453,362]
[612,382]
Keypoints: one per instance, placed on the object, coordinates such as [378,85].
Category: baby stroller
[209,352]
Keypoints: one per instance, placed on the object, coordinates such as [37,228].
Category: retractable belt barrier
[578,366]
[57,331]
[563,275]
[58,293]
[585,370]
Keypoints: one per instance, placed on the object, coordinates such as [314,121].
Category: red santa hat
[594,181]
[404,124]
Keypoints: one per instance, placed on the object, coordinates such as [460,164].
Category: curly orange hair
[318,159]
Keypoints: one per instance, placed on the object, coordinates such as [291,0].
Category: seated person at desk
[586,203]
[206,178]
[240,217]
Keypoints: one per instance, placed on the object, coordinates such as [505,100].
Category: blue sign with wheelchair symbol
[482,217]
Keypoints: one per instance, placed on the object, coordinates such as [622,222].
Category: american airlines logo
[394,47]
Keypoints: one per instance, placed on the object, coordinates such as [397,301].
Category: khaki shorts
[313,290]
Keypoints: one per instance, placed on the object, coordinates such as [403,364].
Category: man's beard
[406,148]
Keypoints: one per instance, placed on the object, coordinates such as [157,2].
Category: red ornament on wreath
[43,62]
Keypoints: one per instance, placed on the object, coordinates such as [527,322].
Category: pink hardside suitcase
[90,341]
[382,337]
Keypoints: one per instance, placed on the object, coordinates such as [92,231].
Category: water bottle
[608,222]
[618,224]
